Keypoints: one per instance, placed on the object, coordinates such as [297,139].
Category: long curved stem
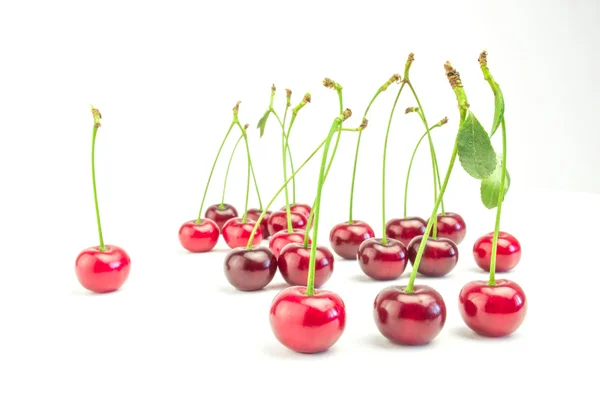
[94,132]
[228,167]
[256,186]
[249,159]
[284,146]
[492,281]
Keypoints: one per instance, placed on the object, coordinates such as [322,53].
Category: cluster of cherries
[307,319]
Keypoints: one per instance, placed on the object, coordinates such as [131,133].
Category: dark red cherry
[254,214]
[102,271]
[250,269]
[382,261]
[409,318]
[307,324]
[493,311]
[300,208]
[221,213]
[278,221]
[508,251]
[405,229]
[451,226]
[199,238]
[294,260]
[237,233]
[283,238]
[345,238]
[439,257]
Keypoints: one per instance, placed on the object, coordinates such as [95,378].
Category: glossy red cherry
[102,271]
[300,208]
[451,226]
[254,214]
[250,269]
[199,238]
[405,229]
[283,238]
[439,257]
[409,318]
[508,251]
[382,262]
[236,233]
[221,213]
[307,324]
[293,264]
[278,221]
[345,238]
[493,311]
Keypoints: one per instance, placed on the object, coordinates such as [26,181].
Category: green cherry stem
[492,281]
[228,167]
[97,117]
[249,158]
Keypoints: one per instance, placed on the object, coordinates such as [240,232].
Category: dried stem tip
[246,126]
[307,98]
[273,88]
[483,58]
[411,109]
[364,124]
[97,116]
[327,82]
[411,58]
[288,93]
[347,114]
[444,121]
[453,75]
[236,107]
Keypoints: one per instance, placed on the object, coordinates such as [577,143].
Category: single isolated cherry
[294,262]
[451,226]
[221,213]
[440,256]
[301,208]
[405,229]
[278,221]
[254,214]
[250,269]
[282,238]
[508,251]
[345,238]
[236,232]
[199,236]
[382,261]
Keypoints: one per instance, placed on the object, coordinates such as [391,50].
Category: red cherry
[345,238]
[307,324]
[508,251]
[221,213]
[293,264]
[199,238]
[300,208]
[283,238]
[250,269]
[102,271]
[409,318]
[278,221]
[451,226]
[382,262]
[236,233]
[405,229]
[493,311]
[254,214]
[439,257]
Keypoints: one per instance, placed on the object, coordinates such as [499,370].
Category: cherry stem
[492,281]
[249,170]
[310,284]
[97,117]
[228,167]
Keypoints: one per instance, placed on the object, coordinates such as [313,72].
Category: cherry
[221,213]
[307,324]
[382,261]
[508,251]
[345,238]
[250,269]
[304,209]
[283,238]
[236,233]
[405,229]
[254,214]
[439,256]
[493,311]
[409,318]
[451,226]
[102,271]
[294,260]
[199,238]
[278,221]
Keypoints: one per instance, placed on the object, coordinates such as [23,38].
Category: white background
[165,77]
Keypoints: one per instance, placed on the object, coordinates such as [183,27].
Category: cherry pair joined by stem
[345,238]
[508,252]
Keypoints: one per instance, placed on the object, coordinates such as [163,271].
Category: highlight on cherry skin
[299,208]
[380,261]
[307,324]
[493,311]
[199,238]
[405,229]
[346,238]
[451,226]
[439,257]
[102,271]
[283,238]
[278,221]
[293,264]
[508,252]
[409,318]
[254,214]
[221,213]
[250,269]
[236,233]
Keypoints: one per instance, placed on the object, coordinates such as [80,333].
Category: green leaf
[263,122]
[490,186]
[475,150]
[498,106]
